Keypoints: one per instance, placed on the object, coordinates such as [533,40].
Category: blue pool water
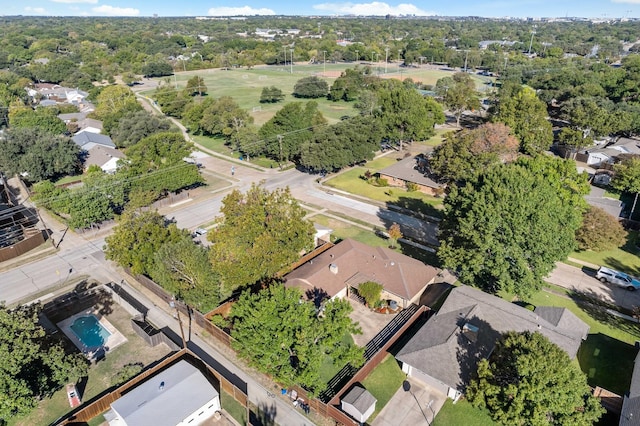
[89,331]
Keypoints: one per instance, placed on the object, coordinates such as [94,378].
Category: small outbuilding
[359,403]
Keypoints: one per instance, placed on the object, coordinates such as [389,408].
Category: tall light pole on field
[533,31]
[324,62]
[386,58]
[291,59]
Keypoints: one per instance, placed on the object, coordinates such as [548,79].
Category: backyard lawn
[383,382]
[135,350]
[625,258]
[608,354]
[462,413]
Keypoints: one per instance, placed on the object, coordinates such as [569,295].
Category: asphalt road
[583,280]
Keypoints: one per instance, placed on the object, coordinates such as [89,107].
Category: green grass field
[461,413]
[383,382]
[245,85]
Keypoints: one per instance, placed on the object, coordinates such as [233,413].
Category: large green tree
[526,115]
[137,238]
[504,229]
[311,87]
[293,125]
[467,152]
[195,86]
[458,94]
[183,268]
[528,380]
[33,365]
[43,118]
[261,233]
[112,104]
[627,178]
[286,337]
[131,129]
[600,231]
[406,114]
[37,154]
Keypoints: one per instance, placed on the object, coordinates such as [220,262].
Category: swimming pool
[89,331]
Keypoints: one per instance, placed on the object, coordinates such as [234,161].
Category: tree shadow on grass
[616,264]
[415,205]
[607,362]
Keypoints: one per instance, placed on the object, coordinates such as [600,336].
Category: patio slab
[418,405]
[370,322]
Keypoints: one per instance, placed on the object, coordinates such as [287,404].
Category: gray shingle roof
[360,398]
[84,138]
[407,170]
[444,350]
[630,415]
[166,398]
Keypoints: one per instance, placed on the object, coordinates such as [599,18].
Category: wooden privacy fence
[103,403]
[33,238]
[609,400]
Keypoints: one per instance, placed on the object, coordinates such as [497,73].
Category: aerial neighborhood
[253,217]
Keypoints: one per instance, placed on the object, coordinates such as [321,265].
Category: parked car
[200,231]
[618,278]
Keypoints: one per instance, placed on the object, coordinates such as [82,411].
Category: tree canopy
[33,365]
[310,87]
[526,115]
[284,336]
[530,381]
[600,231]
[458,93]
[131,129]
[38,154]
[467,152]
[261,233]
[137,238]
[627,178]
[271,95]
[504,228]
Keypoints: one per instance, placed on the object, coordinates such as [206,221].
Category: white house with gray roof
[180,395]
[445,352]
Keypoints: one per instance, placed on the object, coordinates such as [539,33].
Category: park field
[245,85]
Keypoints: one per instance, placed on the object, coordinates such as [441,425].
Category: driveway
[415,404]
[583,280]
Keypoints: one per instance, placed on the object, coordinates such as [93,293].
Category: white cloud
[115,11]
[239,11]
[75,1]
[38,10]
[369,9]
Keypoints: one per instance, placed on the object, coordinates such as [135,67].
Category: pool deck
[115,338]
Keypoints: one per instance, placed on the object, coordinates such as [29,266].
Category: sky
[489,8]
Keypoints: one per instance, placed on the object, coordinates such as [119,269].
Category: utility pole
[357,55]
[284,49]
[466,56]
[172,303]
[280,144]
[291,60]
[531,42]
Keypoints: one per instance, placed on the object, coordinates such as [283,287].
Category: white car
[618,278]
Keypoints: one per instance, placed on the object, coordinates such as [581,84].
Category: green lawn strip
[462,413]
[96,421]
[383,382]
[213,144]
[68,179]
[625,258]
[343,230]
[233,407]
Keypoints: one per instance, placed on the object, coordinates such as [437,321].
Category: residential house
[445,351]
[49,93]
[81,120]
[104,157]
[601,157]
[343,267]
[411,170]
[630,414]
[178,395]
[358,403]
[87,140]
